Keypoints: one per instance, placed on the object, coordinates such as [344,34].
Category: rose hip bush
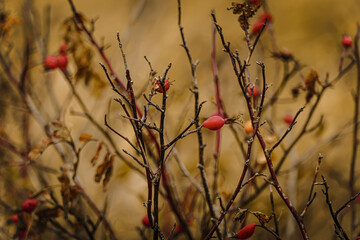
[233,136]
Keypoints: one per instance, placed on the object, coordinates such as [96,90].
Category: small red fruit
[62,61]
[29,205]
[347,41]
[179,229]
[255,91]
[50,62]
[214,123]
[288,119]
[145,221]
[160,89]
[15,218]
[254,1]
[248,127]
[256,27]
[358,199]
[267,16]
[62,49]
[246,231]
[22,235]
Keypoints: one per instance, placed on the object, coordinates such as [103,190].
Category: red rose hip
[255,91]
[288,119]
[62,61]
[50,62]
[166,83]
[214,123]
[347,41]
[29,205]
[256,27]
[15,218]
[246,231]
[145,221]
[62,48]
[267,16]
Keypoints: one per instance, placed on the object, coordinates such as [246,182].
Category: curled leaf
[246,11]
[309,83]
[108,172]
[240,215]
[263,218]
[35,152]
[102,168]
[96,156]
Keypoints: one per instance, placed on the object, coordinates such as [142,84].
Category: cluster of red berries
[28,206]
[257,26]
[57,61]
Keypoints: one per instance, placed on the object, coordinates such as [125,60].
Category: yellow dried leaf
[84,137]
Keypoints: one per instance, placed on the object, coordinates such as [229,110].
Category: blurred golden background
[310,30]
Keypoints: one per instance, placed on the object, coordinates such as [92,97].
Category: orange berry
[248,127]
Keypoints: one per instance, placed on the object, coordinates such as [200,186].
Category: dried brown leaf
[96,156]
[263,218]
[309,83]
[240,215]
[102,168]
[246,11]
[65,191]
[35,152]
[108,172]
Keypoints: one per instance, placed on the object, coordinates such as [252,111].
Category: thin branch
[338,226]
[196,119]
[133,157]
[123,137]
[355,139]
[287,130]
[311,196]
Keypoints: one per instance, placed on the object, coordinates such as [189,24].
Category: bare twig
[355,143]
[338,227]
